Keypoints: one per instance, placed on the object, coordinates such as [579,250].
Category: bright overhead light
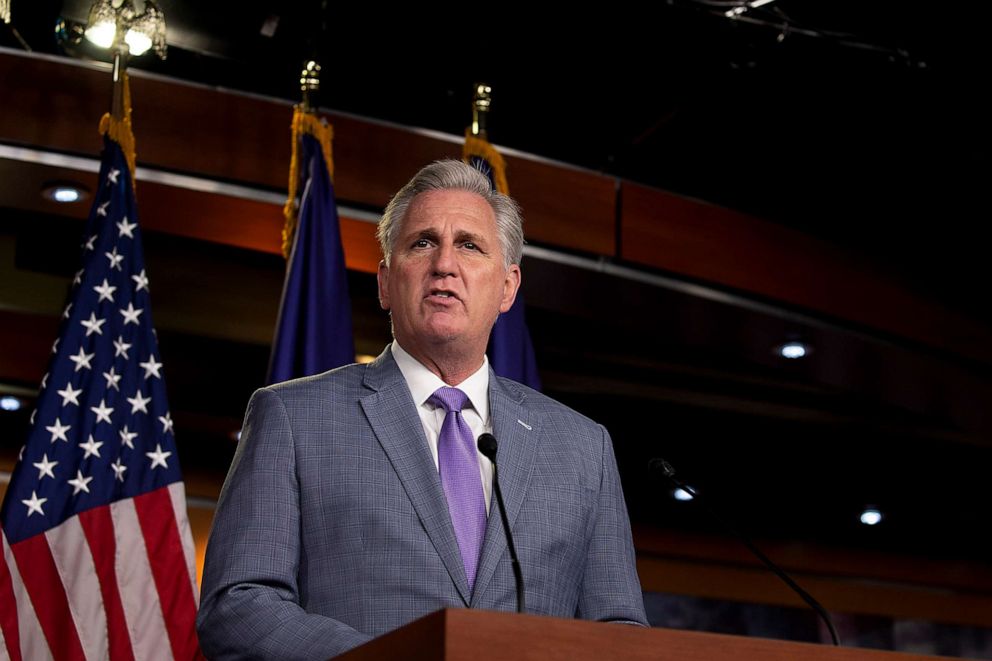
[10,403]
[112,23]
[793,350]
[681,494]
[64,192]
[137,42]
[102,34]
[871,517]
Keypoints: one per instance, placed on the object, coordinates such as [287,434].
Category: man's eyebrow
[465,235]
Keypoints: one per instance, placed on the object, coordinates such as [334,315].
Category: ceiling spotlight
[681,495]
[112,23]
[871,517]
[64,192]
[793,350]
[10,403]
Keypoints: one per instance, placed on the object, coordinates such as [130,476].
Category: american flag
[98,555]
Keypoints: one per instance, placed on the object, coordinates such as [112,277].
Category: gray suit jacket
[332,527]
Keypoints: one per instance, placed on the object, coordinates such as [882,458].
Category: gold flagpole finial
[481,101]
[310,84]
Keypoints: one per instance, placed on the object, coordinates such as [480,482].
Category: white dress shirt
[422,384]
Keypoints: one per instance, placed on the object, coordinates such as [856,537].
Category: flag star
[33,414]
[106,291]
[102,209]
[102,412]
[158,457]
[139,403]
[152,368]
[91,446]
[65,313]
[44,381]
[127,437]
[20,454]
[45,467]
[119,469]
[55,344]
[69,395]
[113,174]
[89,243]
[80,483]
[126,228]
[78,277]
[112,379]
[131,315]
[140,281]
[34,504]
[166,421]
[93,324]
[115,259]
[82,359]
[121,347]
[58,431]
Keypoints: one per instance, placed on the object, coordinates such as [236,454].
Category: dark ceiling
[865,124]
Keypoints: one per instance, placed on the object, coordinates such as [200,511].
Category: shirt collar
[422,382]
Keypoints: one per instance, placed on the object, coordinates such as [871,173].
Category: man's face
[445,282]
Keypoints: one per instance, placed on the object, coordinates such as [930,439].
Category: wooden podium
[474,635]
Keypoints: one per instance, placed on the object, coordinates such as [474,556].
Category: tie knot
[450,399]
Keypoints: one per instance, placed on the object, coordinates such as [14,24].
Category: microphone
[668,472]
[488,447]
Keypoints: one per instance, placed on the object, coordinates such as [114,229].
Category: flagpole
[480,109]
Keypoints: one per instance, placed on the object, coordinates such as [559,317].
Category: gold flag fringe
[118,128]
[303,123]
[476,146]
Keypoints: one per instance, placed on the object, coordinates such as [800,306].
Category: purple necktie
[459,468]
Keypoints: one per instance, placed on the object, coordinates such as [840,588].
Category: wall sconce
[113,23]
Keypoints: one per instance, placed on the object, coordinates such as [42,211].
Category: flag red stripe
[44,585]
[8,614]
[99,530]
[167,560]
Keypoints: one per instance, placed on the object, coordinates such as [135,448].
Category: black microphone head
[487,446]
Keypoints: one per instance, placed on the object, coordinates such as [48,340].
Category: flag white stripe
[145,623]
[74,562]
[33,642]
[177,491]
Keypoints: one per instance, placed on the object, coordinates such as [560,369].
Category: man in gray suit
[357,501]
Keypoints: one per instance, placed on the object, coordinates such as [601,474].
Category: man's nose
[444,259]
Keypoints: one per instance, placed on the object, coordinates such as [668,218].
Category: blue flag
[313,333]
[510,351]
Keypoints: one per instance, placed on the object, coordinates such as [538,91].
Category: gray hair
[454,175]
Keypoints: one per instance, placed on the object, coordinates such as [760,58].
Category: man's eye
[421,243]
[470,245]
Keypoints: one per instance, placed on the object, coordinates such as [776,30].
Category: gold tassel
[303,123]
[476,146]
[118,126]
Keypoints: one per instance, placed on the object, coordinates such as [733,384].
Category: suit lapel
[517,436]
[393,416]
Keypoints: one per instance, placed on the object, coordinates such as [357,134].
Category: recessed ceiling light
[10,403]
[793,350]
[871,517]
[64,192]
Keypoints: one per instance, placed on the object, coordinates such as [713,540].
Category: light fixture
[114,23]
[871,517]
[793,350]
[10,403]
[64,192]
[682,495]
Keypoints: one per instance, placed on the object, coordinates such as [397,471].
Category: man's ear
[510,286]
[382,276]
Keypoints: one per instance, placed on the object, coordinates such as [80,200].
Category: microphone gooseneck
[668,472]
[488,446]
